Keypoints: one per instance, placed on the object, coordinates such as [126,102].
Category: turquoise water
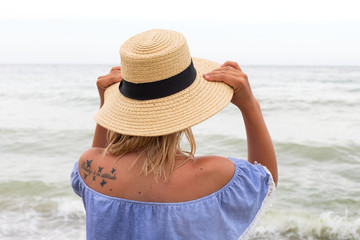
[312,113]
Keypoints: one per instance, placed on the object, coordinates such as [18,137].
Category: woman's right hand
[231,74]
[105,81]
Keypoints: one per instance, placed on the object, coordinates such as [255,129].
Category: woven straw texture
[152,56]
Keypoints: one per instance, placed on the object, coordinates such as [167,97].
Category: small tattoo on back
[103,183]
[88,162]
[101,172]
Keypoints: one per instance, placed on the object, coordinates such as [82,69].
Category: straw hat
[163,90]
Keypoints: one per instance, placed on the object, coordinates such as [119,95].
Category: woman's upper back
[118,178]
[116,210]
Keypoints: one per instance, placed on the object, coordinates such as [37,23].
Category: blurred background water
[312,113]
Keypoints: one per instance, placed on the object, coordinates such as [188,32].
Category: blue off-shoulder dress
[229,213]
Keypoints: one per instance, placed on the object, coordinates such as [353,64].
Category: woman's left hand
[231,74]
[105,81]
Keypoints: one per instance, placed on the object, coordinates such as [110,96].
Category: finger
[226,70]
[103,81]
[230,71]
[117,68]
[231,64]
[232,81]
[107,80]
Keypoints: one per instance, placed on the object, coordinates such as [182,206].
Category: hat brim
[156,117]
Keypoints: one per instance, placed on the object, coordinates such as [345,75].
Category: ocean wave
[346,151]
[42,141]
[296,225]
[34,209]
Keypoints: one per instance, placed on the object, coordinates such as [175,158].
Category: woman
[137,183]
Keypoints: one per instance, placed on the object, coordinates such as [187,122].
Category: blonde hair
[162,152]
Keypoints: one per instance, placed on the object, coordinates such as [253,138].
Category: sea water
[312,112]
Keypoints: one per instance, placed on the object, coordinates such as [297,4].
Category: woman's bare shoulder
[219,170]
[97,169]
[215,162]
[89,159]
[92,153]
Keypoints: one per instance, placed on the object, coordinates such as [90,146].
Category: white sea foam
[304,225]
[55,218]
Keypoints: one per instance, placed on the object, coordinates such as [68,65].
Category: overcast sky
[263,32]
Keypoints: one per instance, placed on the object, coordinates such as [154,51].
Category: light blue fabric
[225,214]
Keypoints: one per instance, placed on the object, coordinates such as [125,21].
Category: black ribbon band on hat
[159,89]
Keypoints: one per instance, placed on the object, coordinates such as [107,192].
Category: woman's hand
[231,74]
[105,81]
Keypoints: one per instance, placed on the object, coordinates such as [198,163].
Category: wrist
[101,95]
[252,115]
[250,107]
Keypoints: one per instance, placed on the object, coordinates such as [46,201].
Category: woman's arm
[260,146]
[100,135]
